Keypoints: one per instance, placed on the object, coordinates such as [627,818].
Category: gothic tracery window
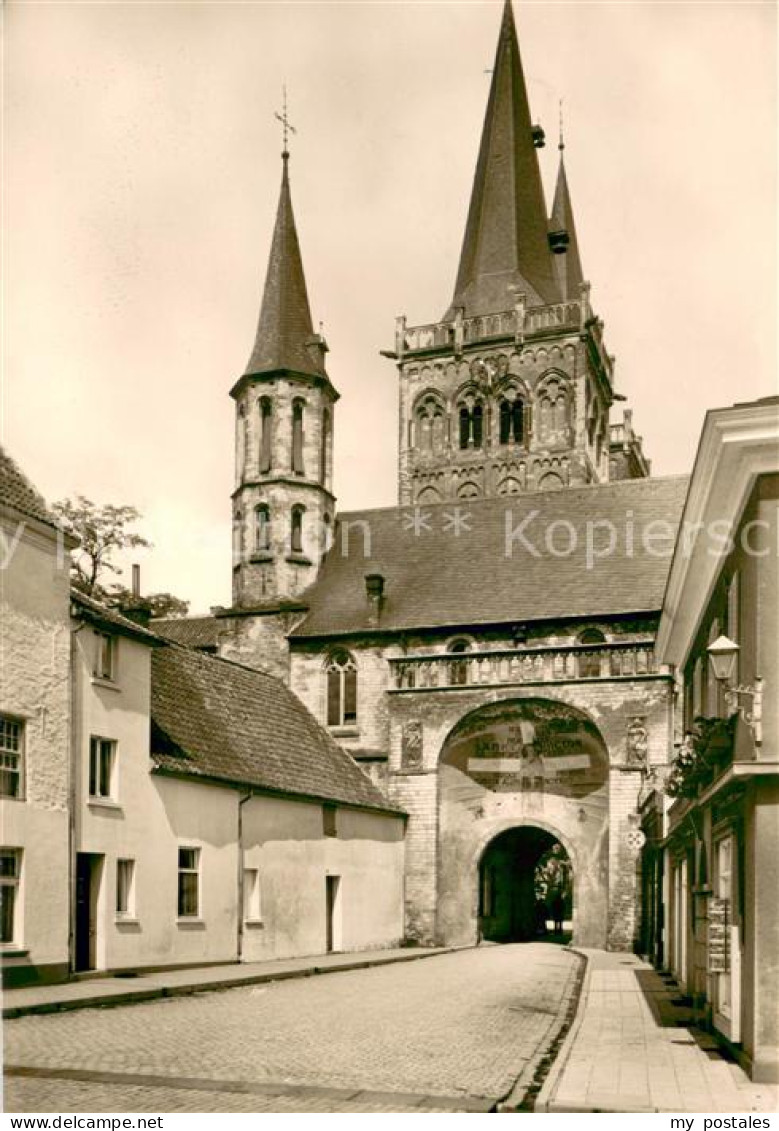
[341,675]
[471,424]
[554,410]
[512,420]
[430,422]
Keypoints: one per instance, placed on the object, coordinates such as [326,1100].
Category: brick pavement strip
[453,1030]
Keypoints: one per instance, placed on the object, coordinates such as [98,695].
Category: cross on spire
[287,126]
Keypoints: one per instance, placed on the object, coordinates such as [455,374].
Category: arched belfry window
[296,530]
[589,662]
[297,437]
[430,424]
[512,421]
[471,425]
[341,690]
[266,434]
[262,529]
[458,669]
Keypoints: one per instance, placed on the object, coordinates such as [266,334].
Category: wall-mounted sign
[718,949]
[533,745]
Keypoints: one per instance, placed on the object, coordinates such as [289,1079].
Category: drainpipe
[73,760]
[239,940]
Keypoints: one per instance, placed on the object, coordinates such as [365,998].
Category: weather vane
[283,117]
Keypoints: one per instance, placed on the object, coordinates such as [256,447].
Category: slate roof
[220,721]
[506,236]
[111,619]
[195,632]
[285,334]
[436,576]
[18,492]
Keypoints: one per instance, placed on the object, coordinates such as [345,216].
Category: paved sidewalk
[630,1049]
[85,993]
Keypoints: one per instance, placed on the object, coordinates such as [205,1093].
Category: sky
[141,177]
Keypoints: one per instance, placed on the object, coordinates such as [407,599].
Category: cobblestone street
[453,1032]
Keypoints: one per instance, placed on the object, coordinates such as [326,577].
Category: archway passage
[525,887]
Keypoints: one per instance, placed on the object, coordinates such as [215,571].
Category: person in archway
[541,916]
[558,911]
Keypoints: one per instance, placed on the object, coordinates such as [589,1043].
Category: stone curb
[544,1099]
[131,996]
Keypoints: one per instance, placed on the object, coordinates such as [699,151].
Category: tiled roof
[458,564]
[106,617]
[216,720]
[195,632]
[16,491]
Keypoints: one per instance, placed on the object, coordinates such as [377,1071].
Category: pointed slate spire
[568,264]
[285,334]
[506,236]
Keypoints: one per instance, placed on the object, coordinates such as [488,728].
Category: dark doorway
[333,911]
[525,887]
[88,872]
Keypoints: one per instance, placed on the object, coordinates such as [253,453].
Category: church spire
[506,244]
[285,335]
[562,230]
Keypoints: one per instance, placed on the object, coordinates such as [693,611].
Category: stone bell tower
[283,505]
[511,390]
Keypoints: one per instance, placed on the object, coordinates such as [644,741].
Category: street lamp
[723,654]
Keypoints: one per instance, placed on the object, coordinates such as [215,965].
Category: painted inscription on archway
[534,745]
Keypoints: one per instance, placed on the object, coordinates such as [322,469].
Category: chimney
[136,609]
[374,588]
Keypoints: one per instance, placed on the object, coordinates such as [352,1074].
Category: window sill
[254,924]
[108,684]
[11,797]
[192,921]
[348,731]
[104,803]
[298,559]
[127,921]
[11,950]
[261,556]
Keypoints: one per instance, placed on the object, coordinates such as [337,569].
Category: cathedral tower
[283,505]
[511,391]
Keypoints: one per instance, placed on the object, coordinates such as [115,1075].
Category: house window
[262,531]
[102,758]
[266,433]
[329,826]
[10,871]
[189,883]
[125,888]
[252,897]
[105,656]
[296,530]
[341,690]
[512,419]
[297,437]
[589,662]
[11,756]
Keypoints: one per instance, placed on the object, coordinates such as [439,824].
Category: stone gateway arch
[536,765]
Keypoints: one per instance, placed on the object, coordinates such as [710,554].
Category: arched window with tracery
[458,669]
[266,434]
[296,530]
[554,410]
[341,674]
[430,425]
[262,529]
[471,424]
[512,420]
[297,437]
[590,662]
